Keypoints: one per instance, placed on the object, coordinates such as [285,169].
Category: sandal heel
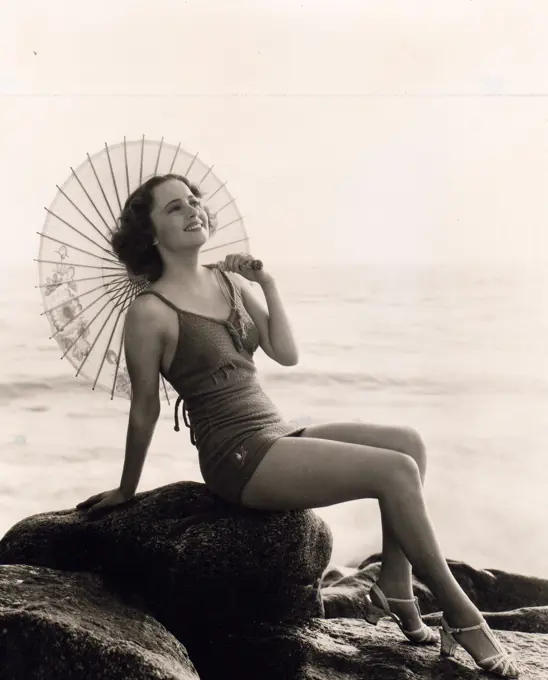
[449,645]
[422,636]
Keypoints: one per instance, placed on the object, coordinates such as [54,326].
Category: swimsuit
[232,422]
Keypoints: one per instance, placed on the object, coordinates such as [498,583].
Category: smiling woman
[194,326]
[134,240]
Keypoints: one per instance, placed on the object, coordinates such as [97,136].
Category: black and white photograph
[274,340]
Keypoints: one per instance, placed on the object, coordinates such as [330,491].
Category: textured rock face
[346,649]
[184,550]
[61,625]
[128,592]
[510,601]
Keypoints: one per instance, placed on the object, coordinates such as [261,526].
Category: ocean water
[460,353]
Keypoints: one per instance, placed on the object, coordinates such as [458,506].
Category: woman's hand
[106,499]
[241,263]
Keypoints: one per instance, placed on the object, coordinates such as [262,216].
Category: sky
[348,131]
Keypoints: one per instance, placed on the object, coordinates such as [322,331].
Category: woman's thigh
[403,439]
[306,472]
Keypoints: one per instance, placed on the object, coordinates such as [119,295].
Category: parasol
[85,289]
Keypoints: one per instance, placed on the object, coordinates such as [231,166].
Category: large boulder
[69,626]
[192,558]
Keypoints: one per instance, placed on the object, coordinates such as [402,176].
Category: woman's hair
[132,239]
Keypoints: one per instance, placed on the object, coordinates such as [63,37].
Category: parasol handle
[256,265]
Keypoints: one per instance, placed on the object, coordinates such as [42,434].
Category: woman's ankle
[392,585]
[463,617]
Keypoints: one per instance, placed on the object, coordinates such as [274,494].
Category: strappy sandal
[421,636]
[502,663]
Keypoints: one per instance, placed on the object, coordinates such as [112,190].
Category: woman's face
[178,216]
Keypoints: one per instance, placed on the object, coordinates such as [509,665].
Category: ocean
[458,352]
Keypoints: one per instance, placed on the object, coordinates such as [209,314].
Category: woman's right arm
[143,346]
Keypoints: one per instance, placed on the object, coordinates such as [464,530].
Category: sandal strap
[490,662]
[478,626]
[396,599]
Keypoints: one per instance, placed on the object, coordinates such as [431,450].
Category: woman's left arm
[275,334]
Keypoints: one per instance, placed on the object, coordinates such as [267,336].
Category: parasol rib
[191,164]
[207,173]
[115,326]
[87,278]
[223,185]
[142,156]
[96,337]
[127,167]
[175,157]
[113,178]
[70,226]
[118,357]
[238,219]
[74,264]
[84,329]
[77,297]
[101,189]
[91,200]
[225,206]
[81,250]
[158,156]
[76,316]
[83,215]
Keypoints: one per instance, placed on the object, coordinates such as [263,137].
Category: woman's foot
[403,608]
[479,641]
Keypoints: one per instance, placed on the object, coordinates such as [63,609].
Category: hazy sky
[347,130]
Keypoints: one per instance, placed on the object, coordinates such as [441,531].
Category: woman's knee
[413,445]
[405,475]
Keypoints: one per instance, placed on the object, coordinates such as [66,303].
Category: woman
[199,326]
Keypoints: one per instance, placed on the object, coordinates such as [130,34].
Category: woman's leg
[301,473]
[395,575]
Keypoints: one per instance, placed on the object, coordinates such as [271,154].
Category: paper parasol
[86,290]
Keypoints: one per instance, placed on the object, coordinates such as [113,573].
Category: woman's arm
[275,335]
[143,344]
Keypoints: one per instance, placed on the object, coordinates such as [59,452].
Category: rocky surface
[509,601]
[185,550]
[63,625]
[346,649]
[179,584]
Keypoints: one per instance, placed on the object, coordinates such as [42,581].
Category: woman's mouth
[194,226]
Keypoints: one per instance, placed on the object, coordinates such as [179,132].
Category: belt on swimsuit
[185,418]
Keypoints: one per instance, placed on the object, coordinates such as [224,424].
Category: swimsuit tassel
[177,428]
[187,423]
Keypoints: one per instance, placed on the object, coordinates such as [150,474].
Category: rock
[61,625]
[182,549]
[344,649]
[509,601]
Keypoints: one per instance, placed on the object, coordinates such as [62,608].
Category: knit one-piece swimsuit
[232,422]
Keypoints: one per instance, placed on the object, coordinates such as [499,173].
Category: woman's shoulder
[146,307]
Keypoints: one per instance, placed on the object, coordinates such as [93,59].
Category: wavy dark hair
[132,239]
